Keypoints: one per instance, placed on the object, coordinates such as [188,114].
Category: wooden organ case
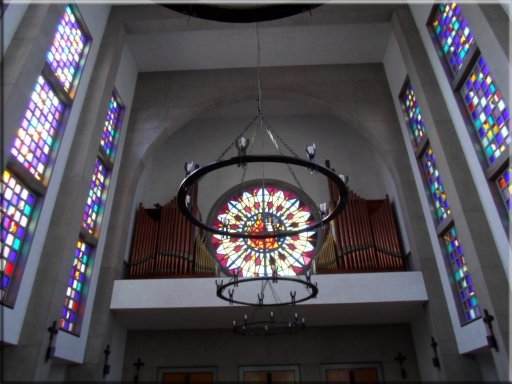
[364,237]
[165,243]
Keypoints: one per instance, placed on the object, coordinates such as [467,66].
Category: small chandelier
[269,326]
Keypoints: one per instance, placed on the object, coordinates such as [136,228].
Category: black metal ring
[310,286]
[194,177]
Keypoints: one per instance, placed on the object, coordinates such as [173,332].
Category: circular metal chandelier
[255,246]
[266,295]
[193,178]
[270,326]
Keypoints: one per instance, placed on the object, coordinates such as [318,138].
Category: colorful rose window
[255,208]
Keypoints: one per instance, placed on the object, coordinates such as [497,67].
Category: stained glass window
[488,111]
[505,187]
[413,114]
[453,34]
[17,209]
[94,203]
[36,136]
[461,278]
[111,128]
[258,209]
[75,289]
[65,56]
[435,185]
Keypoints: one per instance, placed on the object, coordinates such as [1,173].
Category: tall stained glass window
[461,278]
[111,127]
[18,205]
[35,145]
[453,34]
[435,185]
[461,281]
[505,187]
[67,53]
[259,209]
[413,114]
[95,198]
[488,111]
[75,300]
[482,102]
[36,136]
[75,289]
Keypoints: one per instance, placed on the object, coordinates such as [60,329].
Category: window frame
[443,226]
[353,365]
[92,239]
[295,368]
[18,170]
[456,80]
[161,371]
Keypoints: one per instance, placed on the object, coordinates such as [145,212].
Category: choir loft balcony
[361,271]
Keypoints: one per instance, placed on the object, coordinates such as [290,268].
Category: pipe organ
[363,238]
[165,243]
[366,238]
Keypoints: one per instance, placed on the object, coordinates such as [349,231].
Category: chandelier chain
[233,143]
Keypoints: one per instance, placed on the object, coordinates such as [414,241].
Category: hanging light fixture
[263,232]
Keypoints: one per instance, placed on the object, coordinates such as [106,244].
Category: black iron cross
[138,365]
[52,330]
[400,358]
[106,365]
[491,339]
[435,359]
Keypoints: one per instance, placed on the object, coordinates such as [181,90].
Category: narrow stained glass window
[66,54]
[94,205]
[453,34]
[36,137]
[75,289]
[111,129]
[454,256]
[413,114]
[488,111]
[17,209]
[462,279]
[435,185]
[505,187]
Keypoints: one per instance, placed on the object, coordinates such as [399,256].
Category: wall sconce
[106,365]
[435,360]
[491,339]
[400,359]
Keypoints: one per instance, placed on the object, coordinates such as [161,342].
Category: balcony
[360,270]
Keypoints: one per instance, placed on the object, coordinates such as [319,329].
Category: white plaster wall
[95,17]
[10,21]
[500,68]
[204,139]
[68,346]
[310,350]
[386,287]
[471,336]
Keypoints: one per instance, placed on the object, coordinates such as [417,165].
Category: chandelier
[269,326]
[263,231]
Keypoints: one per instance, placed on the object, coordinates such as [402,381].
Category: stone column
[480,250]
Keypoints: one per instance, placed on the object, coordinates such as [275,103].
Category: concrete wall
[310,349]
